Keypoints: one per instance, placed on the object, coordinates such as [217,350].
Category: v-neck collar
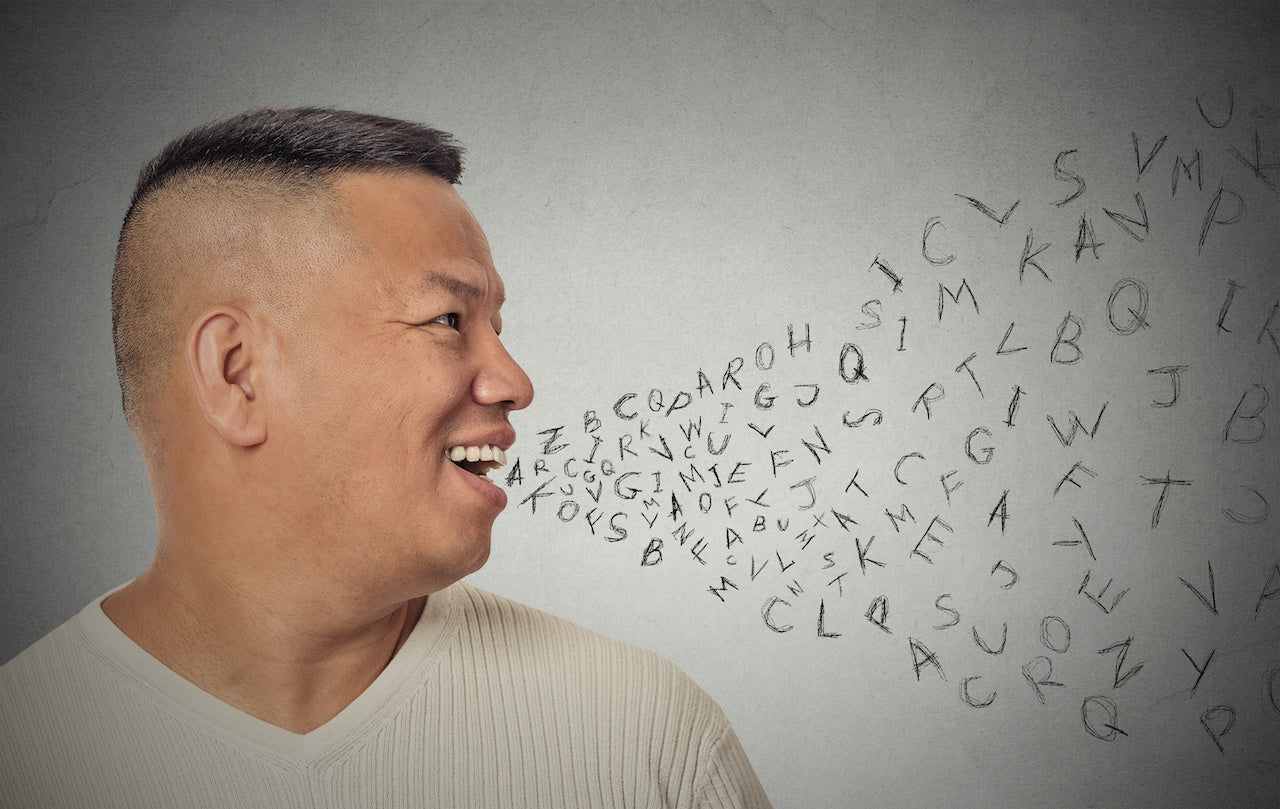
[423,649]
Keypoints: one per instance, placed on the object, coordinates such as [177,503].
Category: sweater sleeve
[729,781]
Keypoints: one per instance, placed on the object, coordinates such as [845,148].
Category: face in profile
[397,389]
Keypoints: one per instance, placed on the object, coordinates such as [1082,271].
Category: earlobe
[220,357]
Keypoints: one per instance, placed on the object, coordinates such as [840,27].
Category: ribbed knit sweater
[489,703]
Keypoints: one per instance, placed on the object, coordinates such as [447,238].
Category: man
[307,319]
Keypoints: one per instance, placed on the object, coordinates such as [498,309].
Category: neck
[291,660]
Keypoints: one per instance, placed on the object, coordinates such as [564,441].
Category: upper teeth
[483,452]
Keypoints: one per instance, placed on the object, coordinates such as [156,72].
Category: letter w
[1075,425]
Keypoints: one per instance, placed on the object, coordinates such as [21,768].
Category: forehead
[418,231]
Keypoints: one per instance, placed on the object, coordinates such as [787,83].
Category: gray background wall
[676,187]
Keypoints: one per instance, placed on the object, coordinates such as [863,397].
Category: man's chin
[472,557]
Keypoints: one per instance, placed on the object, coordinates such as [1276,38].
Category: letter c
[617,406]
[968,700]
[924,245]
[766,612]
[901,461]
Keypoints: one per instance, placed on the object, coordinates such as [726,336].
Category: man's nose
[501,380]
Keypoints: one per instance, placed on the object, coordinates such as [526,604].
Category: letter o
[572,514]
[1271,693]
[1048,641]
[760,362]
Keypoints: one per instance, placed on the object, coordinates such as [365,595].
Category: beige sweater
[488,704]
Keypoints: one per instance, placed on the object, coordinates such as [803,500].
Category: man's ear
[222,359]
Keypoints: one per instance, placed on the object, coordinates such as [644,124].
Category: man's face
[394,364]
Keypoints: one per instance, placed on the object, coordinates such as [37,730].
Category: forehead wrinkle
[435,280]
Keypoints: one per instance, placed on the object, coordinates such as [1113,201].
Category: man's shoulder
[45,663]
[544,643]
[49,693]
[581,693]
[533,631]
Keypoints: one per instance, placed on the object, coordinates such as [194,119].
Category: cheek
[352,389]
[379,406]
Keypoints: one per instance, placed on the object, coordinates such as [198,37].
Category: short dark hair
[305,142]
[278,154]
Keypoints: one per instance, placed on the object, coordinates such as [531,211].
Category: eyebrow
[432,281]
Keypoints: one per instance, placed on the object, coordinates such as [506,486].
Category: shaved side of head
[241,213]
[206,239]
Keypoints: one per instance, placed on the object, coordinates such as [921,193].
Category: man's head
[204,204]
[306,318]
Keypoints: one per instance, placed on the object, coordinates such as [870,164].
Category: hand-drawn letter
[1253,415]
[968,699]
[1217,721]
[1101,727]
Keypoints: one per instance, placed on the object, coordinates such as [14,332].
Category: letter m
[903,515]
[719,592]
[944,293]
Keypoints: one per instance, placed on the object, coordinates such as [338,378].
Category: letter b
[1066,350]
[653,553]
[1258,427]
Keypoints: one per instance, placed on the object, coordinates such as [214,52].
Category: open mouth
[478,459]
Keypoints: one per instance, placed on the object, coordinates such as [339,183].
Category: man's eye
[450,320]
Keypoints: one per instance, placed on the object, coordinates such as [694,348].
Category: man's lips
[473,471]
